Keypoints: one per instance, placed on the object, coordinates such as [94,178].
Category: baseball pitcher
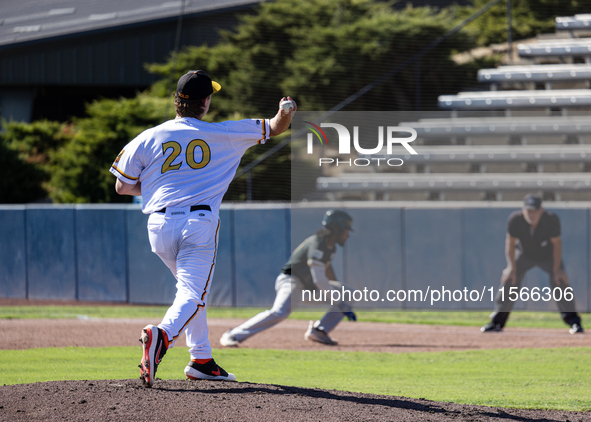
[182,168]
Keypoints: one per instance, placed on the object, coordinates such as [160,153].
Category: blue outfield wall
[13,252]
[102,253]
[51,253]
[101,267]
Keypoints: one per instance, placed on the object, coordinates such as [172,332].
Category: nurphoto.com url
[438,295]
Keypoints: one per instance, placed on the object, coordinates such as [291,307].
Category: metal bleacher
[563,48]
[470,126]
[498,154]
[536,73]
[490,144]
[573,23]
[476,182]
[495,100]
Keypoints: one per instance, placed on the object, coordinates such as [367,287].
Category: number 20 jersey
[186,161]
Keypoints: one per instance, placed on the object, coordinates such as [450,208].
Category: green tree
[20,181]
[80,169]
[27,152]
[337,59]
[529,18]
[321,51]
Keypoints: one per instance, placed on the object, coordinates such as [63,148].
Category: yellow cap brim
[216,87]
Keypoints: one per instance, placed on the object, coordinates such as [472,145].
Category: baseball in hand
[286,106]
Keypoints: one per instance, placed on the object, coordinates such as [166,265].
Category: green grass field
[521,378]
[531,378]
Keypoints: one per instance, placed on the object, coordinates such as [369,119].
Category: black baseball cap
[532,202]
[195,85]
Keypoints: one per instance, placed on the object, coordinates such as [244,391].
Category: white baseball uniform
[186,163]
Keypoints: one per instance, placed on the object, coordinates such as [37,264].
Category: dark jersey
[315,248]
[537,245]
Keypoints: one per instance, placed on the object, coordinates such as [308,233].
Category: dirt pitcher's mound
[127,400]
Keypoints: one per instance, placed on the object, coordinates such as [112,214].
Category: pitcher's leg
[194,273]
[198,335]
[183,310]
[196,243]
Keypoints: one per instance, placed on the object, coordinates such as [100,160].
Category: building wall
[43,78]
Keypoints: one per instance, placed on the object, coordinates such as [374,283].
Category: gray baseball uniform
[294,277]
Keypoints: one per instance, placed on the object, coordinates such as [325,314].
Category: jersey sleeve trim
[265,131]
[123,174]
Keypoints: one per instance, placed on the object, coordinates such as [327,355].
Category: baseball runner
[533,239]
[309,267]
[182,168]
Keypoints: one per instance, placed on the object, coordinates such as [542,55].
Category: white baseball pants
[187,243]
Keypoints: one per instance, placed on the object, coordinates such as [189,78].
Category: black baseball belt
[193,208]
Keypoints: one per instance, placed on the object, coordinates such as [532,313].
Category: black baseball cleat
[207,371]
[492,327]
[154,344]
[576,328]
